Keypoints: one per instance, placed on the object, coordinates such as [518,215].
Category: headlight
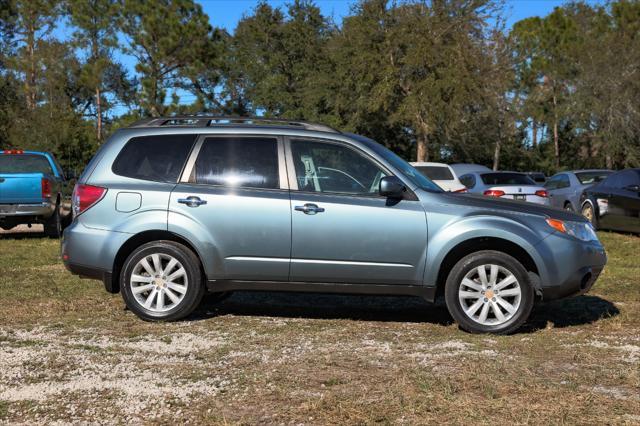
[581,230]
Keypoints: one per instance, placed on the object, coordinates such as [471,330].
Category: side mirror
[392,187]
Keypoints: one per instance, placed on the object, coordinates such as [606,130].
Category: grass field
[69,352]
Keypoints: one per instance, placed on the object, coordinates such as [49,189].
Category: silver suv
[172,207]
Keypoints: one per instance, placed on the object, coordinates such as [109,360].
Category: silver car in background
[565,188]
[508,185]
[171,208]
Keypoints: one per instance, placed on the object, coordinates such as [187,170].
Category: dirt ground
[70,353]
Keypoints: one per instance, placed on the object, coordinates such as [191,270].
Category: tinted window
[552,183]
[327,167]
[24,163]
[506,179]
[435,172]
[158,158]
[563,181]
[468,180]
[538,177]
[241,162]
[589,178]
[408,171]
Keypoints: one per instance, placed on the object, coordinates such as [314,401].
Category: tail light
[13,151]
[542,193]
[494,193]
[460,191]
[85,196]
[45,187]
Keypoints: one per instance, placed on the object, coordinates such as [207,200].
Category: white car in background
[442,175]
[508,185]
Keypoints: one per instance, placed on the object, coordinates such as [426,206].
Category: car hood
[476,202]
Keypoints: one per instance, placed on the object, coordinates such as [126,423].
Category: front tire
[489,292]
[162,281]
[590,214]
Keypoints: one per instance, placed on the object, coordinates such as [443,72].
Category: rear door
[343,231]
[234,197]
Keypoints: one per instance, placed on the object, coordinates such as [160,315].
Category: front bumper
[572,266]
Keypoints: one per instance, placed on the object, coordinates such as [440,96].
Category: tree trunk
[556,145]
[422,151]
[496,156]
[534,131]
[98,115]
[30,80]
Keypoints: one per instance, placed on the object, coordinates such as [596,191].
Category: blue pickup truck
[33,189]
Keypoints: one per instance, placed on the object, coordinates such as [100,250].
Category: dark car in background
[33,189]
[565,188]
[614,203]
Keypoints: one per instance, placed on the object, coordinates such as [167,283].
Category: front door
[343,231]
[235,201]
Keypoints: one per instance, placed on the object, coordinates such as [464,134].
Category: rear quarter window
[158,158]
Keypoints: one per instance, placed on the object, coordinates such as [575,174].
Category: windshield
[24,163]
[506,179]
[435,172]
[408,171]
[589,178]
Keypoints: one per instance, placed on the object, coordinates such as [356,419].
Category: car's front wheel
[162,281]
[489,292]
[590,214]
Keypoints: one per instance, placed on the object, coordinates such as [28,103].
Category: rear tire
[498,300]
[53,225]
[162,281]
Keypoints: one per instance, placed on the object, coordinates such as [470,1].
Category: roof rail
[199,120]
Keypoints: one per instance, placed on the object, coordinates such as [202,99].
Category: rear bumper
[37,210]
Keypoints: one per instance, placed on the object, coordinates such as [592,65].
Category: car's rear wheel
[53,225]
[162,281]
[590,214]
[489,292]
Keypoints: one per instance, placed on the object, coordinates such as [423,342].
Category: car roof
[209,121]
[428,163]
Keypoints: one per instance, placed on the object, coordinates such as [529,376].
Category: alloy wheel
[159,282]
[490,294]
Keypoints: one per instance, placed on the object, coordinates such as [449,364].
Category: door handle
[192,201]
[309,209]
[1,180]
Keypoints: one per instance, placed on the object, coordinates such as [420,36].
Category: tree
[96,23]
[165,37]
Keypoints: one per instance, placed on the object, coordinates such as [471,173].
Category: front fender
[466,228]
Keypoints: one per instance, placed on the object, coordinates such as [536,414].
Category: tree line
[437,80]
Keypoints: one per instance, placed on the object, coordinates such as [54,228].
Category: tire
[53,225]
[467,305]
[159,297]
[590,214]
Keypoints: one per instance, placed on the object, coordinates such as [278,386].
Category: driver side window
[333,168]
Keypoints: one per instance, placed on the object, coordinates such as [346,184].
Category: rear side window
[435,172]
[238,162]
[506,179]
[157,158]
[589,178]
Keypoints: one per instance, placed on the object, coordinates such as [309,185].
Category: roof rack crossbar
[199,120]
